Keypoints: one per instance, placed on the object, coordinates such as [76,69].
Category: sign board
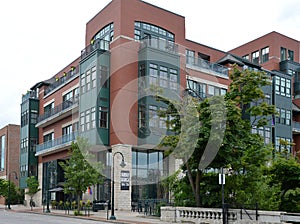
[125,180]
[221,178]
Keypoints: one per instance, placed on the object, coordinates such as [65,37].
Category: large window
[2,151]
[190,56]
[106,33]
[49,137]
[161,75]
[282,53]
[148,169]
[24,118]
[283,86]
[283,116]
[67,130]
[283,144]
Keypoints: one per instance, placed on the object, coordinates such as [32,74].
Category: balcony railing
[30,95]
[160,44]
[62,80]
[59,108]
[203,64]
[57,142]
[99,44]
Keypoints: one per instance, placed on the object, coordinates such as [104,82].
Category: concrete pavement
[124,217]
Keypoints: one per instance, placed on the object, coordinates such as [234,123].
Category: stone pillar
[122,196]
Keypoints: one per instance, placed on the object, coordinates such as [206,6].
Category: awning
[56,189]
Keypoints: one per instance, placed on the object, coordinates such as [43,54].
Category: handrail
[56,142]
[201,63]
[63,106]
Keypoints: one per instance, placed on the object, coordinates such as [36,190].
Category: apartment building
[280,56]
[103,96]
[9,154]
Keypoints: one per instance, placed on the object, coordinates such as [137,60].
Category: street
[11,217]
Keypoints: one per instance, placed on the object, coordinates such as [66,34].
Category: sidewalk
[124,217]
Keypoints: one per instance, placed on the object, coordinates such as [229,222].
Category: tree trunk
[197,188]
[190,177]
[78,203]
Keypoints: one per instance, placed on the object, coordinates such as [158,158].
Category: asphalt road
[10,217]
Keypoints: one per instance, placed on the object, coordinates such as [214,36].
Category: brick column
[122,197]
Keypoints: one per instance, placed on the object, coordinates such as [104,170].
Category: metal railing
[160,44]
[30,95]
[62,80]
[57,142]
[99,44]
[201,63]
[59,108]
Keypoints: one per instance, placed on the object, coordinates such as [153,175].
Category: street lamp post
[8,192]
[122,164]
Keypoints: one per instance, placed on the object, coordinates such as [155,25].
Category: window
[153,74]
[283,86]
[163,120]
[93,117]
[282,53]
[88,80]
[290,55]
[68,96]
[190,56]
[82,83]
[67,130]
[255,57]
[49,108]
[103,117]
[24,118]
[24,145]
[265,54]
[2,151]
[283,144]
[49,137]
[153,118]
[277,85]
[94,77]
[163,77]
[82,125]
[142,116]
[106,33]
[246,57]
[103,73]
[173,79]
[283,116]
[288,88]
[33,116]
[33,143]
[87,120]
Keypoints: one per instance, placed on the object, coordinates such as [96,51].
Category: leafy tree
[80,171]
[16,195]
[33,188]
[285,173]
[240,150]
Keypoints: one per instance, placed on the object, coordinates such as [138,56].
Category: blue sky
[38,38]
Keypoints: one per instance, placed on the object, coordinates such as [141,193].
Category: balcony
[160,44]
[30,95]
[99,44]
[57,113]
[206,66]
[57,144]
[296,127]
[66,78]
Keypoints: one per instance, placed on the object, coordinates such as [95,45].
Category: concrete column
[122,197]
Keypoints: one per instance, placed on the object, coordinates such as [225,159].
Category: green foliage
[33,186]
[80,170]
[241,151]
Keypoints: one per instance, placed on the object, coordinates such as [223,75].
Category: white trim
[48,132]
[204,81]
[69,90]
[122,36]
[49,102]
[67,124]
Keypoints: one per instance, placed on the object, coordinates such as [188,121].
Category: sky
[39,38]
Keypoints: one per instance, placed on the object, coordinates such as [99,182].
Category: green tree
[80,170]
[244,99]
[285,174]
[33,188]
